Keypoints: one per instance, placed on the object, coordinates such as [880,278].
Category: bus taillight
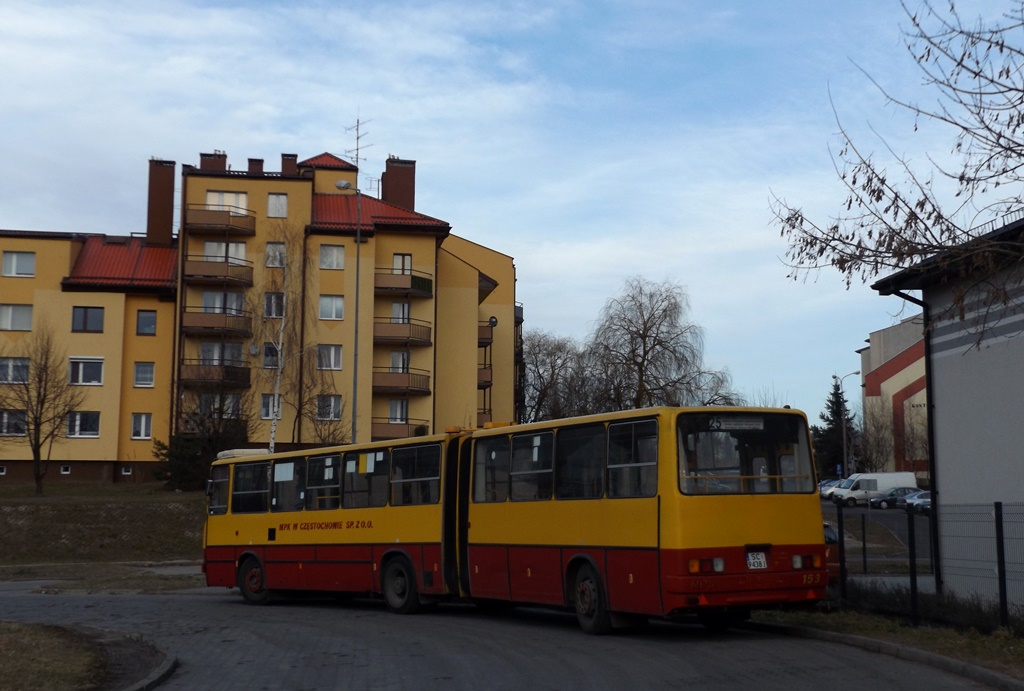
[716,565]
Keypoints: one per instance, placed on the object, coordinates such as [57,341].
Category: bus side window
[251,491]
[218,490]
[531,466]
[580,462]
[633,459]
[289,485]
[323,483]
[415,475]
[366,479]
[490,469]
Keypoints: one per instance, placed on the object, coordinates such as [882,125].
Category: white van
[860,487]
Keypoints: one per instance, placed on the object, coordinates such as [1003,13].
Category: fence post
[912,547]
[1004,610]
[864,543]
[842,551]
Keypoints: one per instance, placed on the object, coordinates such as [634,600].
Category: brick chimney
[160,214]
[256,166]
[398,183]
[216,162]
[289,165]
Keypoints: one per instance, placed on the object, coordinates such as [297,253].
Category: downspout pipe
[929,389]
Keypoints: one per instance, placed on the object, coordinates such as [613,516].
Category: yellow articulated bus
[659,512]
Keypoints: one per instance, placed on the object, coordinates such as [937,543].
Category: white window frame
[401,312]
[11,367]
[18,264]
[14,317]
[400,361]
[333,306]
[398,411]
[271,355]
[141,384]
[3,470]
[220,353]
[266,401]
[333,258]
[126,470]
[328,356]
[142,425]
[76,371]
[6,423]
[226,406]
[65,469]
[223,302]
[275,255]
[74,428]
[273,305]
[330,403]
[227,200]
[277,205]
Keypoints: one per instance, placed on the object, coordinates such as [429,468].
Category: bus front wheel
[400,587]
[591,610]
[252,582]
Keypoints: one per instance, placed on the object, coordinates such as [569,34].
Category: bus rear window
[744,453]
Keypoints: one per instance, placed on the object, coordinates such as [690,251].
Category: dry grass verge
[36,656]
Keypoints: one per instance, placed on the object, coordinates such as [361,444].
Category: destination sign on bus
[736,422]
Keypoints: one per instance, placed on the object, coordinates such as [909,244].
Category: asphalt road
[221,643]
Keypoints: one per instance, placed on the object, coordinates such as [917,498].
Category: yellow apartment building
[290,308]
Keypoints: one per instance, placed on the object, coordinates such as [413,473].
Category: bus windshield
[744,453]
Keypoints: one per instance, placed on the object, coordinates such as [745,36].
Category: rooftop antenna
[354,154]
[355,328]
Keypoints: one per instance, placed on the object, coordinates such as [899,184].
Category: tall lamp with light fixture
[846,459]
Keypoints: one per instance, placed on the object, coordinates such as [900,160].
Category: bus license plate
[756,560]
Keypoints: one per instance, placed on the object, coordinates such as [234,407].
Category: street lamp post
[846,459]
[346,185]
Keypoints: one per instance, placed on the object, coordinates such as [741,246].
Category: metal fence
[966,557]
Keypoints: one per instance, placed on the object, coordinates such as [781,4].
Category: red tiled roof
[326,160]
[339,211]
[123,264]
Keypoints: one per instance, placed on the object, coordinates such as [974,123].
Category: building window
[145,323]
[328,407]
[269,407]
[13,370]
[273,305]
[126,470]
[235,202]
[86,371]
[328,356]
[65,469]
[277,205]
[400,312]
[230,252]
[144,374]
[270,356]
[227,406]
[332,256]
[275,254]
[220,302]
[332,307]
[400,361]
[142,425]
[84,424]
[87,319]
[398,410]
[12,423]
[3,470]
[19,264]
[217,353]
[402,264]
[15,317]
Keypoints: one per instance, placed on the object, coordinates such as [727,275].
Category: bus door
[452,514]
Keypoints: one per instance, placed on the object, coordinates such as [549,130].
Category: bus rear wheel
[591,610]
[252,582]
[400,587]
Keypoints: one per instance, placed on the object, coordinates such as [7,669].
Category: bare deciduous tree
[39,397]
[895,219]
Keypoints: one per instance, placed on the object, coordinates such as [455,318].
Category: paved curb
[982,675]
[157,676]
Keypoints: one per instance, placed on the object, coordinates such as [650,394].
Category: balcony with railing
[203,374]
[484,377]
[201,268]
[219,219]
[389,381]
[397,282]
[207,321]
[408,332]
[483,417]
[383,428]
[484,334]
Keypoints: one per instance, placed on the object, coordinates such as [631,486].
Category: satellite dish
[493,321]
[343,185]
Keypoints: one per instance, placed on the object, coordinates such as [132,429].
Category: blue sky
[591,141]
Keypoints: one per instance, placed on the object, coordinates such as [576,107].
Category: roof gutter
[929,390]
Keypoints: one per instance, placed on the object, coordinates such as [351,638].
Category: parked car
[901,502]
[919,503]
[887,500]
[826,486]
